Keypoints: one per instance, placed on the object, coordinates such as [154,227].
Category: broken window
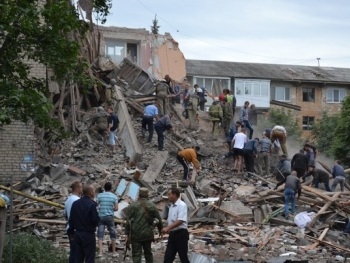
[308,122]
[309,94]
[132,52]
[115,50]
[335,95]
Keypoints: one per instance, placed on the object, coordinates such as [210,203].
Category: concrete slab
[244,190]
[155,167]
[237,208]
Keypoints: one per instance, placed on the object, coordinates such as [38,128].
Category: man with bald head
[82,226]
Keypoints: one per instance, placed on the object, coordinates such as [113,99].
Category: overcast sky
[263,31]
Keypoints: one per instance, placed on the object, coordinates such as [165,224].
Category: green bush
[27,248]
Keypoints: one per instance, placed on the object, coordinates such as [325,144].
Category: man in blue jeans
[108,203]
[150,113]
[160,126]
[113,123]
[291,187]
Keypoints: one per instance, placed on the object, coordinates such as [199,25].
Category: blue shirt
[244,114]
[251,145]
[265,145]
[150,111]
[106,200]
[338,170]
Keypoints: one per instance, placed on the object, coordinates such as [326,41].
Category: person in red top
[187,156]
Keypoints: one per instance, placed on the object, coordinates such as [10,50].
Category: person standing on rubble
[238,142]
[142,217]
[338,175]
[283,168]
[108,203]
[264,151]
[177,228]
[113,123]
[309,153]
[244,119]
[186,99]
[150,113]
[216,114]
[160,126]
[250,151]
[233,130]
[162,93]
[291,187]
[279,133]
[83,221]
[300,163]
[99,123]
[226,115]
[77,190]
[187,156]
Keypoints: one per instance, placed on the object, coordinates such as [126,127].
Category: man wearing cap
[99,123]
[177,229]
[187,156]
[300,163]
[201,96]
[150,113]
[283,168]
[291,187]
[216,114]
[279,133]
[139,227]
[319,176]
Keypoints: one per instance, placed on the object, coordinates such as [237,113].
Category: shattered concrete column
[126,131]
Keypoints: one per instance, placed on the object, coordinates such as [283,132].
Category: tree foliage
[39,31]
[155,27]
[323,132]
[341,142]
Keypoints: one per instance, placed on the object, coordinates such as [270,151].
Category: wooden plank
[323,209]
[191,196]
[314,245]
[316,191]
[155,167]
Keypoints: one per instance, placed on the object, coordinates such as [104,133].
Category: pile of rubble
[231,217]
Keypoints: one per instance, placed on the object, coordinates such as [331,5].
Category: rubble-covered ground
[232,218]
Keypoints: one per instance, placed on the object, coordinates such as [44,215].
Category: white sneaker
[115,255]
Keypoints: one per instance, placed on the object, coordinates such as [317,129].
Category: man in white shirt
[238,142]
[177,229]
[77,190]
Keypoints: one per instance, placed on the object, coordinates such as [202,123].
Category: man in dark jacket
[83,221]
[160,126]
[250,151]
[319,176]
[139,228]
[283,168]
[300,163]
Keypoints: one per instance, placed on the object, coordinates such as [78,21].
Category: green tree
[41,32]
[323,133]
[155,27]
[341,143]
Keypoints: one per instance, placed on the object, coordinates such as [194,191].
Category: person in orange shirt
[187,156]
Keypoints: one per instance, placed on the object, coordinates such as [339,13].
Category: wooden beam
[323,209]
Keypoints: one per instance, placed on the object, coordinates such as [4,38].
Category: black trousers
[147,121]
[177,243]
[300,172]
[249,160]
[185,165]
[85,247]
[160,134]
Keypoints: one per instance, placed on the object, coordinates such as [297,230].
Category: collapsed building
[231,217]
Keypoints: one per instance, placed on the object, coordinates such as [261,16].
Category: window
[280,93]
[335,95]
[252,87]
[307,122]
[309,94]
[212,85]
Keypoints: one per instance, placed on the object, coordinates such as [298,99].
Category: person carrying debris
[83,221]
[338,175]
[77,190]
[244,118]
[150,113]
[319,176]
[99,123]
[216,114]
[108,203]
[160,126]
[177,228]
[112,127]
[279,133]
[291,187]
[142,216]
[187,156]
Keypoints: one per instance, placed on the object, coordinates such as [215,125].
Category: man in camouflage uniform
[216,114]
[226,116]
[162,93]
[139,229]
[99,123]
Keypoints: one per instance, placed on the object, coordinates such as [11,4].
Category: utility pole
[318,61]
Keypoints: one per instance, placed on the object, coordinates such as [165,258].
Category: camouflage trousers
[137,247]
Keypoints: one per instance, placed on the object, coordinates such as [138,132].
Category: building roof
[267,71]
